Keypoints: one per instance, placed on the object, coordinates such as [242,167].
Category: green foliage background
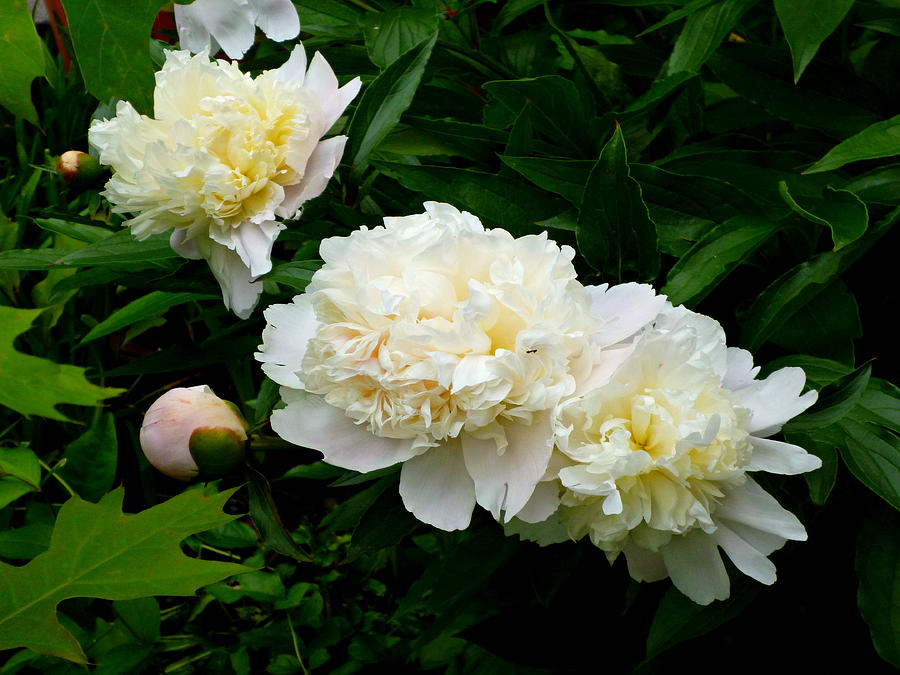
[741,155]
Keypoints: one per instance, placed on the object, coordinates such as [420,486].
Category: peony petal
[288,330]
[186,248]
[745,557]
[543,502]
[231,23]
[239,292]
[293,71]
[506,482]
[321,80]
[437,489]
[740,371]
[319,168]
[696,568]
[779,457]
[624,310]
[277,18]
[309,421]
[253,244]
[775,400]
[644,565]
[192,33]
[750,505]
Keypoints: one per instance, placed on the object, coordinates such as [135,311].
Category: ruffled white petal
[437,489]
[740,370]
[543,503]
[287,332]
[780,457]
[277,19]
[307,420]
[320,168]
[696,568]
[506,482]
[230,23]
[240,292]
[253,244]
[624,309]
[750,505]
[775,400]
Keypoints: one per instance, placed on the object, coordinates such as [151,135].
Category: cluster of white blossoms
[224,157]
[479,361]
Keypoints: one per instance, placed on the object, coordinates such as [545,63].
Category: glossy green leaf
[392,33]
[22,56]
[703,32]
[20,473]
[112,45]
[873,455]
[678,619]
[806,24]
[151,305]
[97,551]
[614,231]
[840,211]
[32,385]
[878,571]
[91,459]
[881,139]
[385,99]
[712,258]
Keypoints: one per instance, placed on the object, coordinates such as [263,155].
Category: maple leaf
[34,386]
[97,551]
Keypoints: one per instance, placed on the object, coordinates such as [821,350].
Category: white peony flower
[653,458]
[205,25]
[435,343]
[224,156]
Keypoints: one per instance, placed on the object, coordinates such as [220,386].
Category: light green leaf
[98,552]
[878,570]
[31,385]
[614,231]
[20,473]
[806,24]
[112,45]
[121,248]
[91,460]
[712,258]
[391,34]
[385,99]
[22,56]
[881,139]
[703,32]
[840,211]
[29,259]
[151,305]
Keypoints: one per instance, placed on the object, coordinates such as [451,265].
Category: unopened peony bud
[77,168]
[189,431]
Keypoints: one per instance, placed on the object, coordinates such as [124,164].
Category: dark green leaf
[840,211]
[20,473]
[112,43]
[703,32]
[151,305]
[29,259]
[881,403]
[295,274]
[22,55]
[346,516]
[873,455]
[819,371]
[834,402]
[806,24]
[385,99]
[678,15]
[881,185]
[91,460]
[79,231]
[878,570]
[385,524]
[121,248]
[265,516]
[392,33]
[614,230]
[565,177]
[881,139]
[824,446]
[712,258]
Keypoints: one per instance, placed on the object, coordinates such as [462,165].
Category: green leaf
[151,305]
[800,285]
[758,74]
[873,455]
[712,258]
[29,259]
[703,32]
[122,248]
[881,403]
[840,211]
[91,460]
[112,46]
[819,371]
[834,402]
[22,56]
[881,139]
[878,570]
[391,34]
[614,229]
[20,473]
[98,552]
[79,231]
[822,480]
[565,177]
[385,99]
[678,618]
[295,274]
[497,200]
[806,24]
[265,516]
[31,385]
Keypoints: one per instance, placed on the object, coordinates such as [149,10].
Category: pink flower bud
[77,168]
[190,431]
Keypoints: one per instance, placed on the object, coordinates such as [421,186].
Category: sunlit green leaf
[881,139]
